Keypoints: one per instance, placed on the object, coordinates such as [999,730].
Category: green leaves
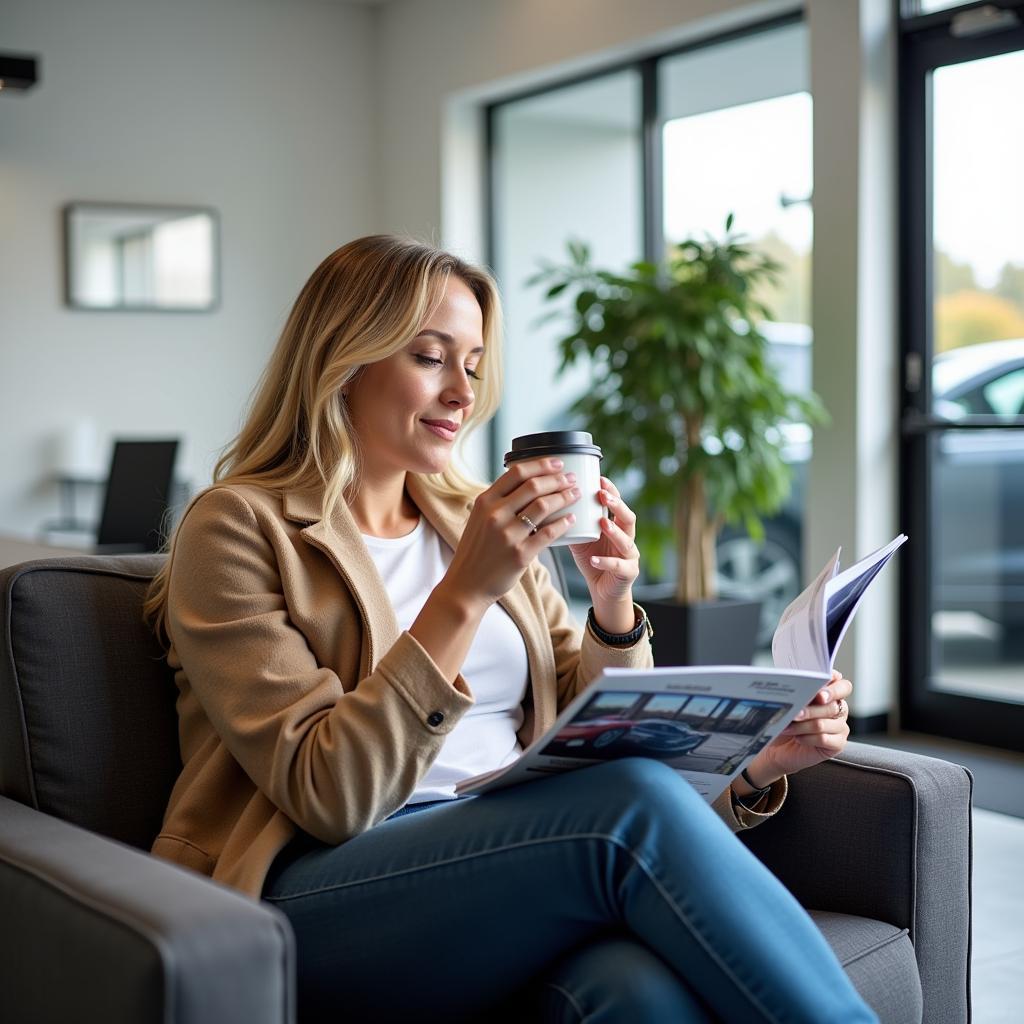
[676,354]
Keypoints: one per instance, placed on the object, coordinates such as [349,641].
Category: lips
[443,428]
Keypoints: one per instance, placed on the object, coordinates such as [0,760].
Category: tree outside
[788,296]
[966,313]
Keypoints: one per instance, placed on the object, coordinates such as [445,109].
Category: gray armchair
[876,844]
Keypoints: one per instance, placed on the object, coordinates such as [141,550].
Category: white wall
[263,109]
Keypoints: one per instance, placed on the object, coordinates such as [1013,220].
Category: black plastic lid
[555,442]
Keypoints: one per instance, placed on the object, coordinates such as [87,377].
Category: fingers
[833,723]
[824,720]
[621,541]
[521,472]
[830,743]
[541,508]
[533,543]
[611,499]
[825,733]
[623,568]
[538,496]
[609,486]
[838,689]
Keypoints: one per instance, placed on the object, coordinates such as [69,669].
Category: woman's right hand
[496,545]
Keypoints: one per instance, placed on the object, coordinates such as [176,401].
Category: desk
[15,549]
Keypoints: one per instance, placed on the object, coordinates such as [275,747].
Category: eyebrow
[448,339]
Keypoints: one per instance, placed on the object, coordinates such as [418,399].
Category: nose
[458,394]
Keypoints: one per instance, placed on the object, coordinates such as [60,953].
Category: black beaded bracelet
[622,639]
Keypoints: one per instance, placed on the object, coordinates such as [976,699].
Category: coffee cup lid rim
[554,442]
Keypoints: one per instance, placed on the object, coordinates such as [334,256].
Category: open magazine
[813,626]
[706,722]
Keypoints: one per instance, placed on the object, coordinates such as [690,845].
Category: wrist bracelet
[622,639]
[756,795]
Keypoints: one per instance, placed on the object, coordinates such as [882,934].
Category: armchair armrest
[885,834]
[94,929]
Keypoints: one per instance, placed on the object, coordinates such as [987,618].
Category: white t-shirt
[495,667]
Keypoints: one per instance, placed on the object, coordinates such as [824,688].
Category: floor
[997,981]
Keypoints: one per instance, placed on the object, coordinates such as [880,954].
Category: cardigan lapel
[342,542]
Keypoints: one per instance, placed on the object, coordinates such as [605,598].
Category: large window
[566,164]
[964,337]
[743,146]
[639,157]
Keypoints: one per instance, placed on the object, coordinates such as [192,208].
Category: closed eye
[431,361]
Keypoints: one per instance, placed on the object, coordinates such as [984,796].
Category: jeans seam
[536,842]
[445,863]
[639,862]
[569,997]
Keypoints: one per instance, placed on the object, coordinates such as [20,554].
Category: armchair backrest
[88,727]
[88,724]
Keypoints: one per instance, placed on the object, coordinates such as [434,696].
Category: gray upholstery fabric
[94,930]
[879,958]
[88,728]
[884,834]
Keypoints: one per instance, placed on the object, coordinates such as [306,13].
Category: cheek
[389,398]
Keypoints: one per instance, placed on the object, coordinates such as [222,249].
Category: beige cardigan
[300,700]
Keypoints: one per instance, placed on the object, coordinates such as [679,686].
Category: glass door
[963,424]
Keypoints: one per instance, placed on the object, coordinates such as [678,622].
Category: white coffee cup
[581,456]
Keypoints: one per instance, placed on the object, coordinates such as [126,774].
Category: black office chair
[138,495]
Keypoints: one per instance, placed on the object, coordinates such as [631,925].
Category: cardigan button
[436,718]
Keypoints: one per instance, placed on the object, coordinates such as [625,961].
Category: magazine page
[844,592]
[706,722]
[800,640]
[813,626]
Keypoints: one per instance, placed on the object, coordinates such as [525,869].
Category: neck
[383,508]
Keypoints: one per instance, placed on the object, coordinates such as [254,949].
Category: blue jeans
[612,893]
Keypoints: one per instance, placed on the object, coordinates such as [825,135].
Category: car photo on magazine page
[694,732]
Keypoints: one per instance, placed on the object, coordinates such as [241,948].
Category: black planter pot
[722,632]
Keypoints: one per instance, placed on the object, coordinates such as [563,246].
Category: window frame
[651,183]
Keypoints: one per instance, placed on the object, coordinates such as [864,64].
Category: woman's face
[393,402]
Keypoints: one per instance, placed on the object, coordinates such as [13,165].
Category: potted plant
[684,396]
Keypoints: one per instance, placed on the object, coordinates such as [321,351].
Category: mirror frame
[75,206]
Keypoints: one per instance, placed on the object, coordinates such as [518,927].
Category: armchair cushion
[88,728]
[879,959]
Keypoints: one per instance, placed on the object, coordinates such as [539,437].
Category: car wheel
[606,739]
[768,572]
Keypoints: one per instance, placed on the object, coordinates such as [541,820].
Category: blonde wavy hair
[365,302]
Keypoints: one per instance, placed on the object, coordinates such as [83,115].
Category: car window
[1005,394]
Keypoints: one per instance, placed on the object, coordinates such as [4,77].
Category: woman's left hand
[818,732]
[611,563]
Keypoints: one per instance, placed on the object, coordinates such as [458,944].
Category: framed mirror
[119,256]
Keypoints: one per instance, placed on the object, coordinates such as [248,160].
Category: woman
[355,626]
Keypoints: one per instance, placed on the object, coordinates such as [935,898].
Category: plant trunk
[710,560]
[691,529]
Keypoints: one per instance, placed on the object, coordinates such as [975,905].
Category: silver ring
[529,522]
